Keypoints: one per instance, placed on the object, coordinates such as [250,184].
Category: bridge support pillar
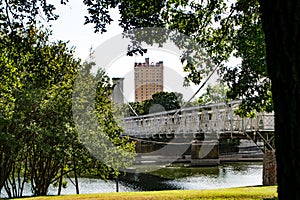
[143,147]
[205,153]
[269,168]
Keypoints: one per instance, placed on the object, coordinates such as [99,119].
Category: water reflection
[178,177]
[171,178]
[228,176]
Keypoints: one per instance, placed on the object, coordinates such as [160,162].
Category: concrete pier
[205,153]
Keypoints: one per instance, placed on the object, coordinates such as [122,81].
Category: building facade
[148,79]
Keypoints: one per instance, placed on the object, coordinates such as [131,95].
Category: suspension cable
[127,101]
[203,84]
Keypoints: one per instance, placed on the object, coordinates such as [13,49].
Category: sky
[70,27]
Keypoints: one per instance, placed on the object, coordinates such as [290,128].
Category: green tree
[38,128]
[136,108]
[213,94]
[160,101]
[8,82]
[39,139]
[168,100]
[250,79]
[105,152]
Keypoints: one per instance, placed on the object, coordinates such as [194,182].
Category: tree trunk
[117,184]
[76,179]
[5,169]
[269,169]
[281,23]
[60,180]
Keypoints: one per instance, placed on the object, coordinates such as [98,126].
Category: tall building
[117,95]
[148,79]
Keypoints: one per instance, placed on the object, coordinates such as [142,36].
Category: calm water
[175,177]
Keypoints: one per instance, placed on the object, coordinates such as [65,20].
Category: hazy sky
[69,27]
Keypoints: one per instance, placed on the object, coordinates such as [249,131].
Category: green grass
[261,192]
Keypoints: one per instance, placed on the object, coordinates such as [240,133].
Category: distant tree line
[160,101]
[165,101]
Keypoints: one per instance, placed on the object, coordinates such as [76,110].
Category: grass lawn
[259,192]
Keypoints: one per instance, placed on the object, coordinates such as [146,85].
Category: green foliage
[216,30]
[214,94]
[39,128]
[250,80]
[15,15]
[169,100]
[138,108]
[39,141]
[160,101]
[98,127]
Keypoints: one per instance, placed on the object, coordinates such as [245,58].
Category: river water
[171,178]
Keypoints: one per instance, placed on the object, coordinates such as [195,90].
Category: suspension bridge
[215,121]
[198,130]
[198,127]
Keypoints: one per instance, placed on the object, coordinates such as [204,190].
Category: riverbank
[258,192]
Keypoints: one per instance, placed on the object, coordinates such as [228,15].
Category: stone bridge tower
[117,95]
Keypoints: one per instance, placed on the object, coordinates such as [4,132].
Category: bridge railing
[216,118]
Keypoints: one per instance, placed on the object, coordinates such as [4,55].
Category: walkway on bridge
[213,121]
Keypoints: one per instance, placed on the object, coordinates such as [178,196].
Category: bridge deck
[220,120]
[214,121]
